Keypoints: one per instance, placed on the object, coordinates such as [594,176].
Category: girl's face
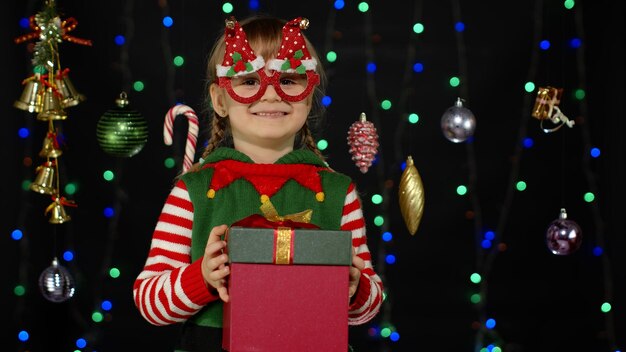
[269,122]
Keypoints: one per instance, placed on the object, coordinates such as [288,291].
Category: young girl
[264,83]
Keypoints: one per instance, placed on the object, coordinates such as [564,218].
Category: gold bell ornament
[57,210]
[31,98]
[50,148]
[44,181]
[411,195]
[70,96]
[51,108]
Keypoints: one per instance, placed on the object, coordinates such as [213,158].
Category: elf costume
[229,187]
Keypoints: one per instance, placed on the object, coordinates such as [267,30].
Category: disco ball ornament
[56,283]
[563,236]
[458,122]
[121,131]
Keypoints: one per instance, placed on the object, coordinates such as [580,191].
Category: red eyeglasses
[290,86]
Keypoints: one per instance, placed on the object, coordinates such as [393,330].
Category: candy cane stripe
[192,131]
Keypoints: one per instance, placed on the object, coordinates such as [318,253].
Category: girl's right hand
[214,268]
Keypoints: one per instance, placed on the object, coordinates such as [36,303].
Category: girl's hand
[358,264]
[214,268]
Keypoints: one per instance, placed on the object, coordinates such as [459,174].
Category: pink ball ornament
[563,236]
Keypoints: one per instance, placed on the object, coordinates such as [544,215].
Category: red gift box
[288,290]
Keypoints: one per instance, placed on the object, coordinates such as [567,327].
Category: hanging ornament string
[599,229]
[192,131]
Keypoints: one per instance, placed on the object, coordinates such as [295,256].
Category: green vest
[240,199]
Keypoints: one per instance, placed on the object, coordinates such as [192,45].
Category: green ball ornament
[121,131]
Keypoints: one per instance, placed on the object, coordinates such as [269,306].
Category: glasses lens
[247,85]
[293,84]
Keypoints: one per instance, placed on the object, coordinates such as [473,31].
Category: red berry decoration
[363,142]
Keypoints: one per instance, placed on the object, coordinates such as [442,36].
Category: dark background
[541,302]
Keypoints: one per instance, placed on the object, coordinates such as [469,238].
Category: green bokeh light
[475,278]
[26,185]
[529,87]
[475,298]
[580,94]
[455,81]
[520,185]
[19,290]
[114,273]
[138,86]
[418,28]
[363,6]
[108,175]
[385,104]
[227,7]
[413,118]
[169,163]
[606,307]
[379,220]
[322,144]
[377,199]
[97,317]
[331,56]
[589,197]
[179,61]
[461,190]
[569,4]
[71,188]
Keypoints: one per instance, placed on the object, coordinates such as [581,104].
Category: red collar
[267,179]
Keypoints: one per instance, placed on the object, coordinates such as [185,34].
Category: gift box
[288,290]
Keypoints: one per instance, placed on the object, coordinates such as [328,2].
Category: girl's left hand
[358,264]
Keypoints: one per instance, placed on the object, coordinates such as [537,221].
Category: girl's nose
[270,94]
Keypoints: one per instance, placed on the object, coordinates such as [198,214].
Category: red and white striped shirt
[170,288]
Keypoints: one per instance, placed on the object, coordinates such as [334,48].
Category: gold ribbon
[283,236]
[270,213]
[283,241]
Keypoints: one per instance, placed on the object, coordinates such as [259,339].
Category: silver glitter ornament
[56,283]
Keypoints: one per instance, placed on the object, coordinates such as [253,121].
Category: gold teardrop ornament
[411,194]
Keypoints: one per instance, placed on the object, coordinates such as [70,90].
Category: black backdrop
[541,302]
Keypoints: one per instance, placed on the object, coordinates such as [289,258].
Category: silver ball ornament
[458,123]
[56,283]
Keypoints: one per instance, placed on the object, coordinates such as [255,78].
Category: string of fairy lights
[488,242]
[592,152]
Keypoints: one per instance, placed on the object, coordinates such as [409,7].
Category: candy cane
[192,131]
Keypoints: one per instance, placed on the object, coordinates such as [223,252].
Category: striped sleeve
[170,288]
[368,298]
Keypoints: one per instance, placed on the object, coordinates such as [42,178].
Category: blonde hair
[264,34]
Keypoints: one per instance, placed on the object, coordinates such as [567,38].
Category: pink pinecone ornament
[363,142]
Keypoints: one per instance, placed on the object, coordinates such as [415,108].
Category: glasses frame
[313,79]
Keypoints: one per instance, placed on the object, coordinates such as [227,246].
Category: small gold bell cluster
[49,95]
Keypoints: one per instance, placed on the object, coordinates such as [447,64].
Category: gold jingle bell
[71,97]
[50,147]
[51,108]
[45,179]
[31,98]
[57,212]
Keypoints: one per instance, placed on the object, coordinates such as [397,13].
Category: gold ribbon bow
[270,213]
[284,235]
